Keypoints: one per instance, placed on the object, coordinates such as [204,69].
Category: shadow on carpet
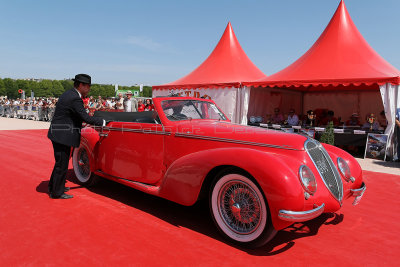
[197,217]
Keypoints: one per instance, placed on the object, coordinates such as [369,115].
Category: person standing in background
[371,123]
[140,105]
[277,117]
[149,105]
[119,103]
[292,119]
[382,120]
[85,102]
[330,117]
[130,104]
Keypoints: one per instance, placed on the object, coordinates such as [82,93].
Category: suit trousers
[62,154]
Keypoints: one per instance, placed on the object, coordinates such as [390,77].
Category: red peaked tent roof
[340,56]
[227,66]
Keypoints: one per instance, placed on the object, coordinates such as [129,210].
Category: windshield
[177,110]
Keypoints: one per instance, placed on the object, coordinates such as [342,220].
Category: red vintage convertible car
[257,181]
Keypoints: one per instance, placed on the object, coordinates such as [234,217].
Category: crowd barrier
[27,112]
[38,113]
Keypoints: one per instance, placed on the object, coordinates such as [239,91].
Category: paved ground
[380,166]
[19,124]
[366,164]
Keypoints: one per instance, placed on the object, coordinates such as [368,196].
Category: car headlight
[345,170]
[307,180]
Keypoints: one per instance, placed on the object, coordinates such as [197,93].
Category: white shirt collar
[78,93]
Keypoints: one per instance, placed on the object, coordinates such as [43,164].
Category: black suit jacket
[67,121]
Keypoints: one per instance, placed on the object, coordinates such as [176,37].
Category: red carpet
[113,224]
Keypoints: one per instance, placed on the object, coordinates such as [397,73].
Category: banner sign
[376,146]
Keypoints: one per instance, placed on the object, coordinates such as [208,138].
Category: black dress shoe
[66,189]
[63,196]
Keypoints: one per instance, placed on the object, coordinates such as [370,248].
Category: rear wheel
[81,163]
[240,210]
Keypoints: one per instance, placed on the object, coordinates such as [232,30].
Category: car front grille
[325,167]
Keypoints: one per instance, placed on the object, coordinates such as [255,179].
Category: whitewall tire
[81,163]
[239,209]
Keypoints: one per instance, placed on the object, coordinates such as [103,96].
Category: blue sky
[155,42]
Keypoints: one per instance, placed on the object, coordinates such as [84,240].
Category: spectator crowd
[322,118]
[35,108]
[43,108]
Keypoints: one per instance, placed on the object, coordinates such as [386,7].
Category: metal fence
[38,113]
[27,112]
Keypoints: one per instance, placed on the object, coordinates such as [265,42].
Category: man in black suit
[65,131]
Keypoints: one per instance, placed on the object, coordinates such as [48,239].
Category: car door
[133,151]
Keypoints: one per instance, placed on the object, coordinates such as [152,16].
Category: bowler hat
[83,78]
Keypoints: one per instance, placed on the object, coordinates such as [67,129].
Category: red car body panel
[173,159]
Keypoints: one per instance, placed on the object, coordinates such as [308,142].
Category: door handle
[103,134]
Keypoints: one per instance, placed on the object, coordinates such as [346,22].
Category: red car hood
[231,132]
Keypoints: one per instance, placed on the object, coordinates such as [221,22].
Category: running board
[150,189]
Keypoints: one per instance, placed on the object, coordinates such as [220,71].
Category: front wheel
[239,210]
[81,163]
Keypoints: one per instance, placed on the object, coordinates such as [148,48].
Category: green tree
[67,84]
[23,85]
[3,91]
[45,88]
[102,90]
[11,88]
[94,90]
[109,90]
[147,91]
[33,86]
[57,89]
[48,88]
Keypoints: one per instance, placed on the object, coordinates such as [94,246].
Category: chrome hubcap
[239,207]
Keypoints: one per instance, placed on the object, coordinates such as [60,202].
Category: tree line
[54,88]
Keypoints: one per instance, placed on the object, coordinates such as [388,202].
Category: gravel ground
[366,164]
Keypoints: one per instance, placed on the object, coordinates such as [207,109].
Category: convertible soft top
[143,117]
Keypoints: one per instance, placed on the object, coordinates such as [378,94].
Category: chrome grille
[325,167]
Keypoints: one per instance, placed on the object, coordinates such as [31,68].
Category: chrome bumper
[358,193]
[301,216]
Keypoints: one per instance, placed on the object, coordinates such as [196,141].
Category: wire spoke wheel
[240,207]
[239,210]
[81,162]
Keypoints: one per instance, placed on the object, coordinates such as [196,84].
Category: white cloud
[144,42]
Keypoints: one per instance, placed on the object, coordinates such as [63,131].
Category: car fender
[276,174]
